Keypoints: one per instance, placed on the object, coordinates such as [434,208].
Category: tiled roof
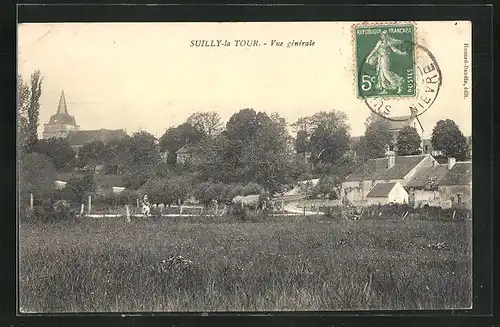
[380,190]
[428,176]
[376,169]
[459,174]
[78,138]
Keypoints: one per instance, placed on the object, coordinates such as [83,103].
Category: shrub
[78,188]
[37,176]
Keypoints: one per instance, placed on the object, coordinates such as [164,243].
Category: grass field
[297,263]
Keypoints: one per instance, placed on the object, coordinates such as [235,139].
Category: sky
[139,76]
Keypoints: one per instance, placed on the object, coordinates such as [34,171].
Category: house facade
[386,193]
[456,186]
[391,169]
[416,180]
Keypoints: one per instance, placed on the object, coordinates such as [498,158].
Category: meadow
[283,263]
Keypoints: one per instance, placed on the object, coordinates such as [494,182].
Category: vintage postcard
[277,166]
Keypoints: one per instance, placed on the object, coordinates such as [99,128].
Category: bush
[37,176]
[167,190]
[78,188]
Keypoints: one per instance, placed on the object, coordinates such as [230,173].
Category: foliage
[37,176]
[167,190]
[78,188]
[376,139]
[208,123]
[325,134]
[447,137]
[267,158]
[28,111]
[408,141]
[58,149]
[177,137]
[302,142]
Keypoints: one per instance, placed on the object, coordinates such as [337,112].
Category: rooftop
[79,138]
[62,116]
[428,177]
[376,169]
[381,190]
[459,174]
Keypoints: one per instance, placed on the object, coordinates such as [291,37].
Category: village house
[429,149]
[423,188]
[184,154]
[455,188]
[386,193]
[389,170]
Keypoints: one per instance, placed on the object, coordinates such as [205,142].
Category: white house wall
[398,194]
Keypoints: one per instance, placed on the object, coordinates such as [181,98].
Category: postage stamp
[385,58]
[396,77]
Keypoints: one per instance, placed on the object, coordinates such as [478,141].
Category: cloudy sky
[147,76]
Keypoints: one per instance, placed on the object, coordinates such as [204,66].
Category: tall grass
[294,264]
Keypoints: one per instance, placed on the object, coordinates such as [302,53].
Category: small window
[459,198]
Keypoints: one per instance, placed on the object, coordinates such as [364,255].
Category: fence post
[82,209]
[304,207]
[128,212]
[31,201]
[180,209]
[282,206]
[90,204]
[216,209]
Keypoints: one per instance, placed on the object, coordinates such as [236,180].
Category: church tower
[61,123]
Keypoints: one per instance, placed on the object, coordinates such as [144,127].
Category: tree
[243,124]
[408,141]
[208,123]
[302,142]
[37,176]
[447,137]
[326,134]
[141,159]
[58,149]
[78,188]
[28,111]
[376,139]
[267,159]
[92,154]
[176,137]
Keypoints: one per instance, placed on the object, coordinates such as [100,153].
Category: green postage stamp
[385,60]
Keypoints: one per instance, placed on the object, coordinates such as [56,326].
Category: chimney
[451,162]
[391,159]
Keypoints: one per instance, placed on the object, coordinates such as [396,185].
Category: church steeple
[62,109]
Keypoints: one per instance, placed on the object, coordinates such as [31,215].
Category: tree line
[251,148]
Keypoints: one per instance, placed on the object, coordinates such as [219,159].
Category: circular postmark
[397,78]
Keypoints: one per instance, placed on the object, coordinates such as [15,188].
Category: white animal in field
[249,201]
[146,209]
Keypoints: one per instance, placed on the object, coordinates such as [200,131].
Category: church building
[61,123]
